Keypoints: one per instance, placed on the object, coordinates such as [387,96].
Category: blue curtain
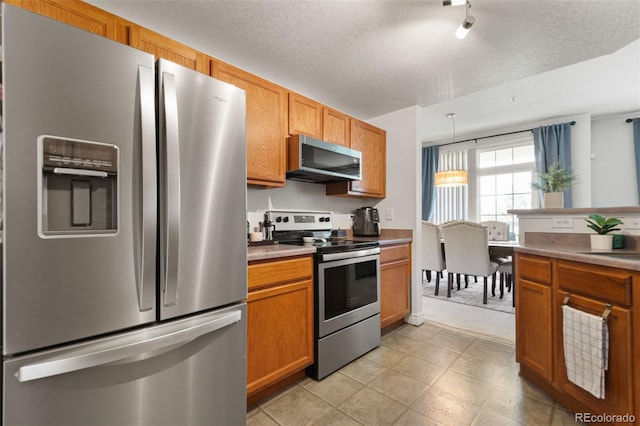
[429,168]
[553,144]
[636,145]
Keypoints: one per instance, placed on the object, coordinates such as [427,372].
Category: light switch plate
[388,214]
[562,222]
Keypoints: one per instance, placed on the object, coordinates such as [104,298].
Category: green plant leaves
[602,225]
[554,180]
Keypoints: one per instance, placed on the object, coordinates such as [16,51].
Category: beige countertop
[277,250]
[390,236]
[619,258]
[387,237]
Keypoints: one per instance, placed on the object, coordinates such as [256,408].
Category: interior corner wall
[404,189]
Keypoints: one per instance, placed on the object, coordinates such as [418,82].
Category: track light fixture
[469,20]
[454,2]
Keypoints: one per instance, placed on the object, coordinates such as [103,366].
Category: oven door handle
[350,254]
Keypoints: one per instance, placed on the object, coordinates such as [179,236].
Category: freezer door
[79,184]
[186,372]
[203,195]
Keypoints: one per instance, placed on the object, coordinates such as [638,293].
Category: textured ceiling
[368,58]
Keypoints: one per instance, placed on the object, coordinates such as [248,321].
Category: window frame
[512,142]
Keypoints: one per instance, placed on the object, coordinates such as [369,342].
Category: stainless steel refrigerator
[124,256]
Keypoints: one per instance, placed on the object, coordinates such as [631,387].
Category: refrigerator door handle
[172,194]
[147,265]
[120,351]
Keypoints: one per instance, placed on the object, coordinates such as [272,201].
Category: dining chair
[466,248]
[498,231]
[432,257]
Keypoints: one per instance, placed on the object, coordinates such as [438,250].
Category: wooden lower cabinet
[395,278]
[279,320]
[533,319]
[539,330]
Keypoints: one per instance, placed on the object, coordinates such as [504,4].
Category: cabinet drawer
[601,283]
[272,272]
[394,253]
[534,268]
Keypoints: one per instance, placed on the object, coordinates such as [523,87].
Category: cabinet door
[280,321]
[75,13]
[305,116]
[163,47]
[279,333]
[618,380]
[395,273]
[266,125]
[337,127]
[372,142]
[534,327]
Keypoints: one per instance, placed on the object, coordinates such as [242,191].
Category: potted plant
[602,240]
[552,183]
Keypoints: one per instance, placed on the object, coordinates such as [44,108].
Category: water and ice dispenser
[78,188]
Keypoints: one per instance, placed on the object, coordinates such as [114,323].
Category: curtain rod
[628,120]
[494,136]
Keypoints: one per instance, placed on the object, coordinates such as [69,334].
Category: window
[504,182]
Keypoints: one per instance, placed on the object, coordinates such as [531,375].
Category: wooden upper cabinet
[337,127]
[266,125]
[305,116]
[75,13]
[166,48]
[372,143]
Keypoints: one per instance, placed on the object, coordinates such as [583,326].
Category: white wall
[613,177]
[404,175]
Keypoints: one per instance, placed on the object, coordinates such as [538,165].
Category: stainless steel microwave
[314,160]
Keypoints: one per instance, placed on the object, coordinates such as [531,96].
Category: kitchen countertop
[387,237]
[390,236]
[275,251]
[619,258]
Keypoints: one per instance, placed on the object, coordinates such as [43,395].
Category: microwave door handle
[147,262]
[172,189]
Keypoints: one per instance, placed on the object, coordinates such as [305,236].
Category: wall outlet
[562,222]
[631,222]
[388,214]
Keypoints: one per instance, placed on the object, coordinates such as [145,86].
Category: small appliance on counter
[366,222]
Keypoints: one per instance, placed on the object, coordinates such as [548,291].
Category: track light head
[464,28]
[454,2]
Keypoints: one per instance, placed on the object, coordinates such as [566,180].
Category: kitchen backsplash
[302,196]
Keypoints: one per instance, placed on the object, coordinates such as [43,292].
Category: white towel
[586,349]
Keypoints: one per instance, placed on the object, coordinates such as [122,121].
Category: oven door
[348,291]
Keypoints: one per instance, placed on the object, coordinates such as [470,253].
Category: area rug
[471,295]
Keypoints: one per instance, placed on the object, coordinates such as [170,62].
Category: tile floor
[426,375]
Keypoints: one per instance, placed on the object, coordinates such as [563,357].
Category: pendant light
[451,178]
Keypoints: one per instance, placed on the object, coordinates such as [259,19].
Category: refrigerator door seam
[120,352]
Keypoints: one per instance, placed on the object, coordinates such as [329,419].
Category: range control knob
[285,219]
[327,219]
[278,219]
[321,219]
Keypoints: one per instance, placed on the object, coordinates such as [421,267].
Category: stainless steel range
[347,288]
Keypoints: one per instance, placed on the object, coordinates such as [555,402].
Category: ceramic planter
[601,241]
[553,200]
